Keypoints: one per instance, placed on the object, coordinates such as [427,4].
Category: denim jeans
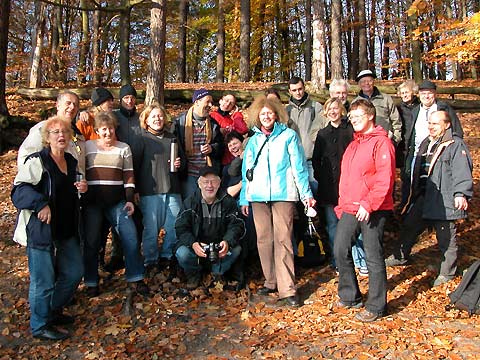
[125,227]
[372,233]
[159,211]
[55,273]
[189,185]
[190,262]
[358,254]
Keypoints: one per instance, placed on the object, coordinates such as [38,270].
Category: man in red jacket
[365,199]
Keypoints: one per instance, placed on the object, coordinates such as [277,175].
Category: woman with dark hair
[274,173]
[46,192]
[111,183]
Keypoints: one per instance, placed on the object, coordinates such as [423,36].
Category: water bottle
[173,155]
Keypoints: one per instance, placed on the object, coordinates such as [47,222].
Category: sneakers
[341,305]
[393,261]
[441,279]
[367,316]
[363,271]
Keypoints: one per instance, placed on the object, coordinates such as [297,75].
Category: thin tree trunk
[386,41]
[4,24]
[96,55]
[318,63]
[308,40]
[182,41]
[244,71]
[371,41]
[156,75]
[124,34]
[257,42]
[336,67]
[221,43]
[34,79]
[84,44]
[354,60]
[362,37]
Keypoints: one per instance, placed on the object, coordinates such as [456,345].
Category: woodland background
[166,49]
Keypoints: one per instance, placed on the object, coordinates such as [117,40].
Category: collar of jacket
[300,103]
[278,128]
[376,92]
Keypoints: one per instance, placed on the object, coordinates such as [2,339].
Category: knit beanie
[127,90]
[100,95]
[199,93]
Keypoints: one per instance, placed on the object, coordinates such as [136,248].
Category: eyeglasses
[354,117]
[57,132]
[209,182]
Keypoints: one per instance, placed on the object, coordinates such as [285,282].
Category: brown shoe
[341,305]
[366,316]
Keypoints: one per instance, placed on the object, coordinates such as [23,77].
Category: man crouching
[208,230]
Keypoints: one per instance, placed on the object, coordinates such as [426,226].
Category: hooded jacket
[367,173]
[281,171]
[449,175]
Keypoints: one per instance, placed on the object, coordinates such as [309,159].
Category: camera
[249,174]
[211,250]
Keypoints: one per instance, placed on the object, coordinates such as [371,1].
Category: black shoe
[163,263]
[151,270]
[60,318]
[115,264]
[290,301]
[193,281]
[93,291]
[265,291]
[140,288]
[50,333]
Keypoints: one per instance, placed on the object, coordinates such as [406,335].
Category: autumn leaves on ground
[216,324]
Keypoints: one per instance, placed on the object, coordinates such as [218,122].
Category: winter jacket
[410,130]
[405,111]
[129,131]
[33,143]
[216,143]
[153,174]
[387,115]
[33,190]
[367,173]
[281,171]
[226,221]
[449,175]
[306,119]
[327,156]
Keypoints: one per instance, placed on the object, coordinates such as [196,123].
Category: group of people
[220,187]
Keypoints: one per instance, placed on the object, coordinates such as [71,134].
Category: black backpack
[310,248]
[467,295]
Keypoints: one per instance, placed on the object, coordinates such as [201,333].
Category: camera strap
[258,154]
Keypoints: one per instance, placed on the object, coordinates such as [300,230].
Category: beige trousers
[274,224]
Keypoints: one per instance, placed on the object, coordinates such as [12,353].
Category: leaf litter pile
[215,323]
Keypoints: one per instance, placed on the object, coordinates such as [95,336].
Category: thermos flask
[173,155]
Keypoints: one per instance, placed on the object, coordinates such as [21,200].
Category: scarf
[155,132]
[189,134]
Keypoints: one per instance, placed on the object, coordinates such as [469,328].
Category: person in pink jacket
[365,200]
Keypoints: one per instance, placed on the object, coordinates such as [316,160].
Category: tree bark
[4,24]
[34,79]
[336,67]
[156,76]
[96,49]
[84,45]
[220,43]
[244,71]
[124,35]
[257,42]
[318,61]
[386,41]
[362,37]
[182,41]
[308,40]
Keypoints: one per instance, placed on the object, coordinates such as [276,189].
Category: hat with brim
[427,85]
[364,73]
[206,170]
[100,95]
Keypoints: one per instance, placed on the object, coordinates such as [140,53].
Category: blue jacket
[281,172]
[33,190]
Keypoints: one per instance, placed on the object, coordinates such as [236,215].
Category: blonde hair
[104,118]
[49,123]
[331,101]
[273,104]
[146,113]
[408,84]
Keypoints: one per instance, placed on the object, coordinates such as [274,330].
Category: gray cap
[427,85]
[363,74]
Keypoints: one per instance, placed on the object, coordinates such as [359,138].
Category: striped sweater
[109,174]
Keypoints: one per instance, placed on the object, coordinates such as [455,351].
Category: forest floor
[209,323]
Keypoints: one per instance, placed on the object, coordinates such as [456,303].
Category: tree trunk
[336,67]
[386,41]
[362,37]
[34,79]
[354,59]
[84,44]
[244,71]
[96,54]
[4,24]
[371,42]
[156,75]
[182,41]
[318,63]
[257,42]
[221,43]
[308,40]
[124,34]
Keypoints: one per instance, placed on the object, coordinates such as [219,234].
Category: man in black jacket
[441,187]
[208,230]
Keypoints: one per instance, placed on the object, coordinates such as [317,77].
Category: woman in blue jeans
[159,187]
[46,193]
[109,168]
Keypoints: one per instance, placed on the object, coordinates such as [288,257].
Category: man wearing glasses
[208,230]
[365,200]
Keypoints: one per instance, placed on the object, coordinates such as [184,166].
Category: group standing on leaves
[220,188]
